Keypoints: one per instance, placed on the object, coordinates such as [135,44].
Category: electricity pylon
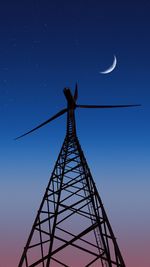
[71,228]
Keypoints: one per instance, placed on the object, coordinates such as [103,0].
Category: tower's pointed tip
[76,92]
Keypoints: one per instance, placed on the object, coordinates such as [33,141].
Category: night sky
[45,46]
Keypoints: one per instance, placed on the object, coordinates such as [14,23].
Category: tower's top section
[70,99]
[71,106]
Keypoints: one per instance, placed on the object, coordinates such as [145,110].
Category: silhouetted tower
[71,227]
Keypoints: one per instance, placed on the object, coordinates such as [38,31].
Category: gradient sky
[47,45]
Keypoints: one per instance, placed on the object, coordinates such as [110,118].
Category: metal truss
[71,228]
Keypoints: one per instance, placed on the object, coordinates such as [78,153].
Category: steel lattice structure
[71,227]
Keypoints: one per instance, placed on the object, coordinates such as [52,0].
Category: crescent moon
[111,68]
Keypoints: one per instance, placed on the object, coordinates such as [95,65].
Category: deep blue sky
[45,46]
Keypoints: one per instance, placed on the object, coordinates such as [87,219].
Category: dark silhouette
[71,219]
[72,106]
